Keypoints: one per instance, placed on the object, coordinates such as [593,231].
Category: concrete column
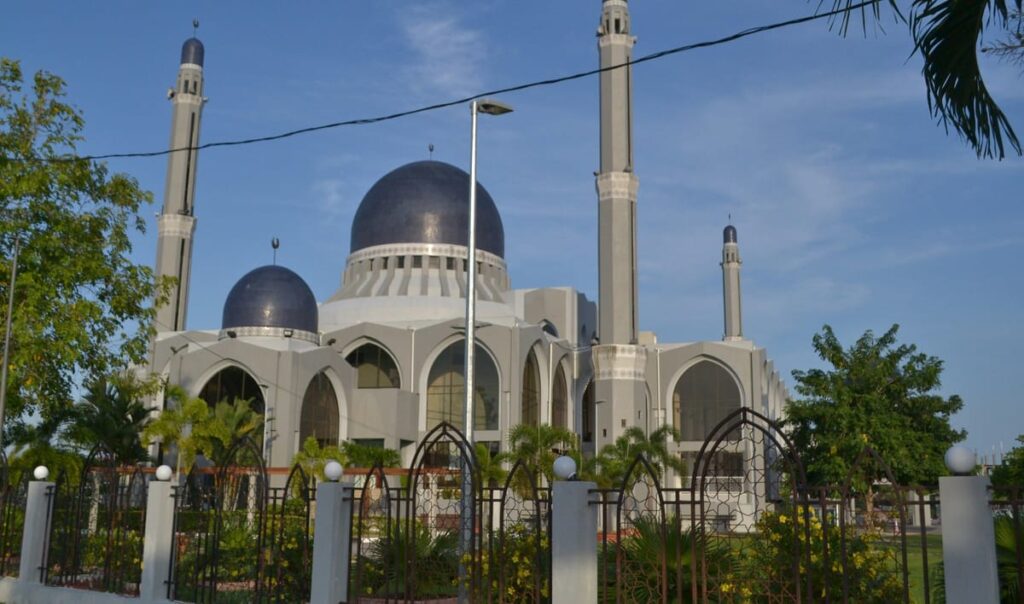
[331,543]
[968,540]
[159,539]
[35,537]
[573,543]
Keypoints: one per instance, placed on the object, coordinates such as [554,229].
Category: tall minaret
[732,301]
[619,363]
[177,222]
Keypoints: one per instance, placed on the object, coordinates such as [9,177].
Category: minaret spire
[177,222]
[731,300]
[619,362]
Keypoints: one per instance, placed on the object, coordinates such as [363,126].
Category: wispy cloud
[448,54]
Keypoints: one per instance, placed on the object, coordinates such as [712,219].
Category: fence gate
[412,538]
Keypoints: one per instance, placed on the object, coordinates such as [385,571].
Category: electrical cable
[442,105]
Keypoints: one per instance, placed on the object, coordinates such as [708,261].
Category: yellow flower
[725,588]
[783,519]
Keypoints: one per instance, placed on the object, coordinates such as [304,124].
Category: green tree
[947,35]
[878,393]
[113,415]
[490,466]
[538,447]
[81,305]
[1010,473]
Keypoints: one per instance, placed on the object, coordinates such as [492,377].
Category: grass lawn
[915,562]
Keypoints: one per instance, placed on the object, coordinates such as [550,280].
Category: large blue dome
[271,296]
[426,202]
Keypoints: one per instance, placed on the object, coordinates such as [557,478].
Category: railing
[12,521]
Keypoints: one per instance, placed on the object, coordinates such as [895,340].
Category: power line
[517,88]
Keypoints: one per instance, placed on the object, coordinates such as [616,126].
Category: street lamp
[489,107]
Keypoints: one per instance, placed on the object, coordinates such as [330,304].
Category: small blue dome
[271,296]
[192,52]
[426,202]
[729,234]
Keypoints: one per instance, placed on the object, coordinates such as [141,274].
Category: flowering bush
[870,573]
[516,566]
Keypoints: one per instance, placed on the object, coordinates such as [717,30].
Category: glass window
[703,397]
[446,389]
[559,399]
[233,383]
[531,391]
[374,367]
[319,417]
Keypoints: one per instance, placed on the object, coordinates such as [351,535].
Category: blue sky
[853,207]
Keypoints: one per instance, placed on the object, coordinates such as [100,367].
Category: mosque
[381,361]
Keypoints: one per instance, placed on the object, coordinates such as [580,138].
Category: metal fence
[97,520]
[241,535]
[1007,503]
[13,494]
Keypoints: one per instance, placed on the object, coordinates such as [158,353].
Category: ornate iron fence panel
[221,532]
[409,537]
[289,548]
[515,540]
[96,527]
[13,499]
[750,516]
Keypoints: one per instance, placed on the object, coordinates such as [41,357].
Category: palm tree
[947,34]
[174,426]
[538,447]
[313,457]
[228,425]
[112,415]
[615,459]
[489,466]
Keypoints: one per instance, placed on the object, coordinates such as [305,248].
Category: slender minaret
[177,221]
[731,299]
[619,363]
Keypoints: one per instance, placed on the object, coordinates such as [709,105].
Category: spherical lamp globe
[565,468]
[163,473]
[41,472]
[961,460]
[333,471]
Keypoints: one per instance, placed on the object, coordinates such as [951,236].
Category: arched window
[233,383]
[531,391]
[446,389]
[559,399]
[319,417]
[589,414]
[374,367]
[703,397]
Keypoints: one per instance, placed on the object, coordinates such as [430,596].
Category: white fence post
[332,535]
[158,541]
[35,537]
[968,536]
[573,543]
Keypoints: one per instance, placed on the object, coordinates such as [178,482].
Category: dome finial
[275,243]
[195,26]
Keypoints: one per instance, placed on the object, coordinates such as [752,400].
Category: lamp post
[489,107]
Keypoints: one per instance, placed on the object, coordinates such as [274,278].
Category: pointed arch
[375,366]
[319,417]
[531,391]
[560,398]
[704,394]
[231,383]
[589,414]
[445,391]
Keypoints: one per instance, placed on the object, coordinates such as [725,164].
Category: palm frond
[947,33]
